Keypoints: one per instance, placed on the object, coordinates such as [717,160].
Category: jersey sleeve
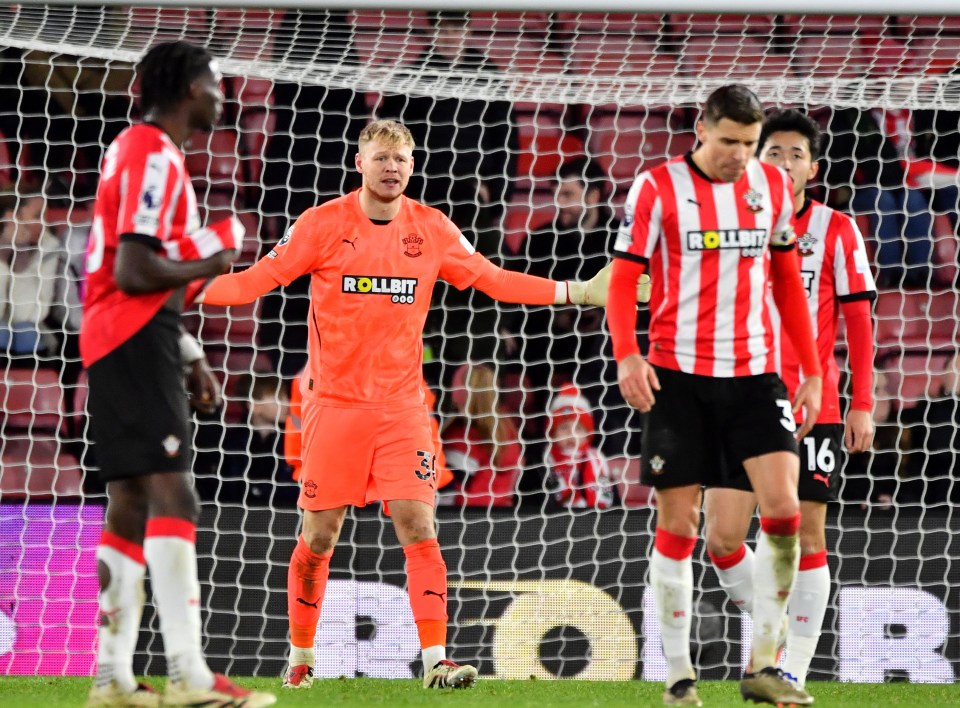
[851,266]
[151,184]
[783,236]
[642,217]
[300,251]
[461,264]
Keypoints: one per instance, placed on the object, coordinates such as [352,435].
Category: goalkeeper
[375,256]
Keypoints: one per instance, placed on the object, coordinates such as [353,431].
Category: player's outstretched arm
[240,288]
[791,299]
[523,289]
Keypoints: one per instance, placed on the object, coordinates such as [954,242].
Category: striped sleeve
[151,183]
[782,235]
[852,276]
[642,218]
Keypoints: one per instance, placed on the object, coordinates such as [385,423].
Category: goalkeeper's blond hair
[389,133]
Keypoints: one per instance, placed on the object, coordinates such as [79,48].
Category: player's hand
[638,381]
[808,397]
[858,431]
[221,262]
[594,291]
[203,387]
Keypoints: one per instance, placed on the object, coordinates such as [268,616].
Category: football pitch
[47,692]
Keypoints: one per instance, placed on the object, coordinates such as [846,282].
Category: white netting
[535,588]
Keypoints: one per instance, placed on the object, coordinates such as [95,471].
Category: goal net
[530,128]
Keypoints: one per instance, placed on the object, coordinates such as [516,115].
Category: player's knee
[173,495]
[721,542]
[784,506]
[680,521]
[322,539]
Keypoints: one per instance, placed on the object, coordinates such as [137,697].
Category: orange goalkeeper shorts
[354,456]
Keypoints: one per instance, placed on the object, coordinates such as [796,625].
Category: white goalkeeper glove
[594,291]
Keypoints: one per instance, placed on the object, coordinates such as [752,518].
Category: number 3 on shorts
[787,421]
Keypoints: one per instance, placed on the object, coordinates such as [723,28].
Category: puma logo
[353,244]
[822,478]
[694,202]
[315,605]
[438,594]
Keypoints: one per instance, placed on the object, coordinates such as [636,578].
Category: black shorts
[819,466]
[698,422]
[138,404]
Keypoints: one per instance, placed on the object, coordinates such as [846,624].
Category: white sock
[173,572]
[808,605]
[774,570]
[121,607]
[300,656]
[737,581]
[431,655]
[672,582]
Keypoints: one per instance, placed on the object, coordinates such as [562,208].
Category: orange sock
[306,583]
[427,583]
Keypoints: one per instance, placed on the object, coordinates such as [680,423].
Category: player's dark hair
[734,102]
[586,171]
[166,72]
[784,120]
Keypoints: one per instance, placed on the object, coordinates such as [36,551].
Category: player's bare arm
[638,380]
[140,269]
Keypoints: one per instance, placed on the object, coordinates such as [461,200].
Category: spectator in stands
[308,161]
[481,443]
[579,473]
[564,345]
[30,268]
[254,471]
[466,159]
[862,156]
[932,474]
[467,149]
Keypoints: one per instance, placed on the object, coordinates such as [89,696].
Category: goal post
[536,589]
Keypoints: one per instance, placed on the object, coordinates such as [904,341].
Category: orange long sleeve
[240,288]
[520,288]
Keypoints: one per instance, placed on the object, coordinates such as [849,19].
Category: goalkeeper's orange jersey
[370,292]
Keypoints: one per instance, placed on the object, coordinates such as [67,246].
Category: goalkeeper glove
[594,291]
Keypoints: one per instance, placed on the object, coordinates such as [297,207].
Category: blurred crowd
[527,407]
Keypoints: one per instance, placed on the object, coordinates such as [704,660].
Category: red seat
[509,22]
[167,24]
[911,375]
[830,55]
[625,474]
[579,23]
[887,56]
[722,24]
[247,34]
[936,55]
[31,399]
[635,142]
[725,56]
[35,468]
[604,55]
[839,24]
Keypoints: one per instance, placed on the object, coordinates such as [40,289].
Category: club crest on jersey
[656,464]
[171,445]
[400,290]
[754,201]
[411,246]
[806,243]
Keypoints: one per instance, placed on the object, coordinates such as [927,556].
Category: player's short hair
[387,132]
[784,120]
[166,71]
[735,102]
[586,171]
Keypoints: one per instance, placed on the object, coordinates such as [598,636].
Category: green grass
[48,692]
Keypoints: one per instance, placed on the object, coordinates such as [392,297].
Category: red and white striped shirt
[835,269]
[706,245]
